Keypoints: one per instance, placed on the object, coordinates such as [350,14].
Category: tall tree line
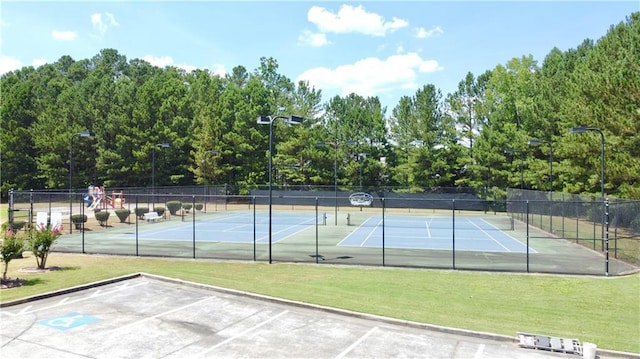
[478,136]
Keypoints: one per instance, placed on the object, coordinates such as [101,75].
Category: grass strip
[605,311]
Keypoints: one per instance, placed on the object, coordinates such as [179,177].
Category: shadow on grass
[65,268]
[33,281]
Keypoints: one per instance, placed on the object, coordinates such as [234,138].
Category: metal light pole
[79,134]
[360,157]
[335,172]
[204,174]
[583,129]
[539,142]
[268,120]
[153,169]
[536,143]
[512,151]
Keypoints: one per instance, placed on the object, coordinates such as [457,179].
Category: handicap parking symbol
[68,321]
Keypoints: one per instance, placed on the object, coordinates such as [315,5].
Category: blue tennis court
[400,231]
[232,228]
[408,232]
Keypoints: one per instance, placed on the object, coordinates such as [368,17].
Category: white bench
[151,216]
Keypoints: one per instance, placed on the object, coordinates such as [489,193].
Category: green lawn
[605,311]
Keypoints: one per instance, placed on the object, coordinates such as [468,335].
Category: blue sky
[387,49]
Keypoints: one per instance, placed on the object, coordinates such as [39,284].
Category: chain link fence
[586,220]
[529,232]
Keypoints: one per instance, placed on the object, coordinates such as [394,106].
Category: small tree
[40,243]
[11,247]
[123,214]
[140,211]
[174,207]
[102,217]
[78,220]
[159,211]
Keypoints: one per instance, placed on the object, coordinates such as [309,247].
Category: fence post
[193,221]
[135,215]
[383,212]
[82,213]
[593,219]
[606,237]
[317,253]
[10,208]
[453,238]
[253,202]
[527,224]
[577,221]
[31,209]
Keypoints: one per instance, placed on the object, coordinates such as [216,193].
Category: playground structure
[96,197]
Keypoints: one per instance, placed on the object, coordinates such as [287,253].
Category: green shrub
[187,206]
[140,211]
[174,206]
[199,206]
[159,210]
[17,225]
[102,217]
[79,218]
[123,214]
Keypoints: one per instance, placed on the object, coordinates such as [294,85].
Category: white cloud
[63,35]
[185,67]
[161,61]
[38,62]
[8,64]
[316,39]
[352,19]
[372,76]
[218,69]
[102,22]
[422,33]
[164,61]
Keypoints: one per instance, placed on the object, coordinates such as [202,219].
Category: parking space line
[357,342]
[243,333]
[479,352]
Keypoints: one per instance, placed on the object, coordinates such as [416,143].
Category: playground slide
[95,204]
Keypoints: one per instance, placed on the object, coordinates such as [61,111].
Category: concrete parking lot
[146,316]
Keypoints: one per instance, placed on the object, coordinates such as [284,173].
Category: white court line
[157,315]
[428,224]
[229,229]
[243,333]
[265,237]
[356,343]
[370,233]
[488,235]
[479,352]
[306,226]
[354,231]
[510,236]
[83,298]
